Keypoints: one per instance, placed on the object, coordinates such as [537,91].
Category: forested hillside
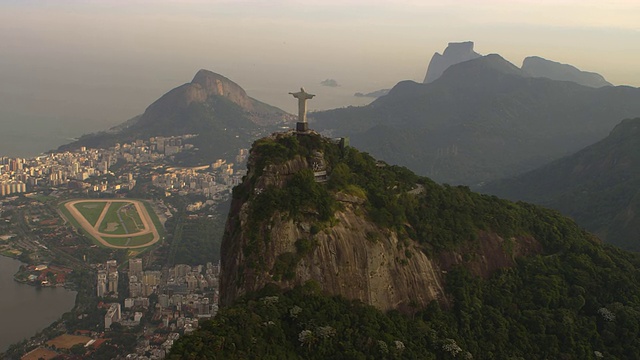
[570,298]
[598,186]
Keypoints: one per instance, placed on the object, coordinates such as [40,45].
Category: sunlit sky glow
[93,64]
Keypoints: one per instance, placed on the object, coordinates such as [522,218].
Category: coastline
[34,294]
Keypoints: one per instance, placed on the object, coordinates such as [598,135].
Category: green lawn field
[110,231]
[91,210]
[131,218]
[111,223]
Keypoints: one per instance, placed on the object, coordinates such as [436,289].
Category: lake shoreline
[21,302]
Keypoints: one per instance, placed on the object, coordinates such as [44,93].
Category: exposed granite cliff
[454,53]
[215,84]
[349,254]
[203,87]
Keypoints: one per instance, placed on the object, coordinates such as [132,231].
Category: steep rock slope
[207,84]
[286,228]
[536,66]
[518,281]
[598,186]
[454,53]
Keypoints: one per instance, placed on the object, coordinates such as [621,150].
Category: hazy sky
[83,65]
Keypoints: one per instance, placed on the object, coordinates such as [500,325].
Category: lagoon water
[25,309]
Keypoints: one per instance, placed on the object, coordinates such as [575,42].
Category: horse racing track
[114,223]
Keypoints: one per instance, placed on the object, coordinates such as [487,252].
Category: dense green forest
[580,304]
[194,240]
[597,186]
[576,299]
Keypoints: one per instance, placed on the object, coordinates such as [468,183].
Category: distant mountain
[484,119]
[205,86]
[211,105]
[454,53]
[598,186]
[536,66]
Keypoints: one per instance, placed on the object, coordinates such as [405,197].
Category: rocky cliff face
[215,84]
[536,66]
[454,53]
[203,87]
[349,255]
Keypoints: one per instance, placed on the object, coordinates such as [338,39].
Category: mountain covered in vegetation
[536,66]
[598,186]
[482,120]
[329,253]
[211,106]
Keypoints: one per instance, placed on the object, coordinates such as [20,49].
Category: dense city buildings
[94,170]
[157,302]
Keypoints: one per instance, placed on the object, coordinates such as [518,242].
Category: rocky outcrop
[454,53]
[214,84]
[536,66]
[200,90]
[350,256]
[492,252]
[354,259]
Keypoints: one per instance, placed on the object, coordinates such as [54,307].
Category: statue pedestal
[302,126]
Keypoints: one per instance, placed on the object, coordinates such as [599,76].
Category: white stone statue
[302,97]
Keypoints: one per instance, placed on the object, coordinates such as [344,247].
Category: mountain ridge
[536,66]
[287,228]
[597,186]
[290,289]
[482,120]
[454,53]
[211,105]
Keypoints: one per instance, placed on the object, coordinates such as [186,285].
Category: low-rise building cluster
[213,182]
[72,168]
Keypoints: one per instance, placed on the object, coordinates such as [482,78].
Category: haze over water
[70,67]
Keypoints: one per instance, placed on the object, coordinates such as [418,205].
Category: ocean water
[24,135]
[27,136]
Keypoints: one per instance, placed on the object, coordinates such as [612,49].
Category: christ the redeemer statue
[302,97]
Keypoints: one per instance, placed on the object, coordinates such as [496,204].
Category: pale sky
[87,65]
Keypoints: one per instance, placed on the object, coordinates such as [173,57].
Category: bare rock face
[536,66]
[215,84]
[454,53]
[200,90]
[354,259]
[493,252]
[351,256]
[203,85]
